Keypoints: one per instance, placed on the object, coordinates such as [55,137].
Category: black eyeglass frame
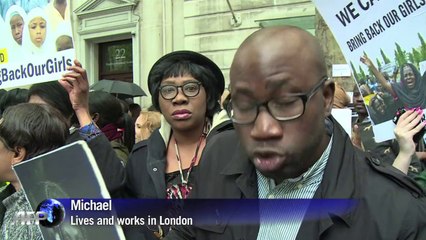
[177,89]
[304,96]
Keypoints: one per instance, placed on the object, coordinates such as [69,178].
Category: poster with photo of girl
[37,45]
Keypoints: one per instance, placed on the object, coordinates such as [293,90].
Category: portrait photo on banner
[37,43]
[386,53]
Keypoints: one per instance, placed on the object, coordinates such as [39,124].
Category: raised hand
[76,83]
[407,126]
[364,59]
[356,137]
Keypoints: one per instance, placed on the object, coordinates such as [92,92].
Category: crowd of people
[391,93]
[273,137]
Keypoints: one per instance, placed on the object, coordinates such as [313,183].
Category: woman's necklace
[193,161]
[182,190]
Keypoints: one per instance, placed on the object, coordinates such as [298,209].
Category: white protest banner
[344,117]
[37,43]
[384,44]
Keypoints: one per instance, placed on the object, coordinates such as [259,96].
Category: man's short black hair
[55,95]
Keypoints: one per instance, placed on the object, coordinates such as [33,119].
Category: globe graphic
[55,212]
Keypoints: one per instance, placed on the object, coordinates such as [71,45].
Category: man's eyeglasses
[285,108]
[189,89]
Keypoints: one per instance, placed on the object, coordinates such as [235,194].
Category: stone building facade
[121,39]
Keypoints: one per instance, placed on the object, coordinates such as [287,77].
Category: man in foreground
[287,146]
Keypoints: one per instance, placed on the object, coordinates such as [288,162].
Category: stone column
[154,39]
[333,54]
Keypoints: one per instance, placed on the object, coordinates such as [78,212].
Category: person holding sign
[26,131]
[408,125]
[70,96]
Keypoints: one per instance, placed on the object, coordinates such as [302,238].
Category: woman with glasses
[186,88]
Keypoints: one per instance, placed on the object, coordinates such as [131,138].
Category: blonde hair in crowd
[146,123]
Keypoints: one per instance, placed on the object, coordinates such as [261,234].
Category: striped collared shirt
[303,187]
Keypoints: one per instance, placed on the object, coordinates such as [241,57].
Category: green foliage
[369,70]
[400,55]
[355,74]
[385,58]
[379,64]
[417,57]
[411,57]
[422,48]
[361,75]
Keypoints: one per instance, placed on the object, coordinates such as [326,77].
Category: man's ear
[19,155]
[328,93]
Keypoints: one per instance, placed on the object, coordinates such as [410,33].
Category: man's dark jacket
[390,205]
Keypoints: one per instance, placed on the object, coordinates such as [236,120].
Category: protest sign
[344,117]
[37,44]
[385,46]
[69,172]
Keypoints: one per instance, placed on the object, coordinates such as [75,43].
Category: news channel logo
[49,213]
